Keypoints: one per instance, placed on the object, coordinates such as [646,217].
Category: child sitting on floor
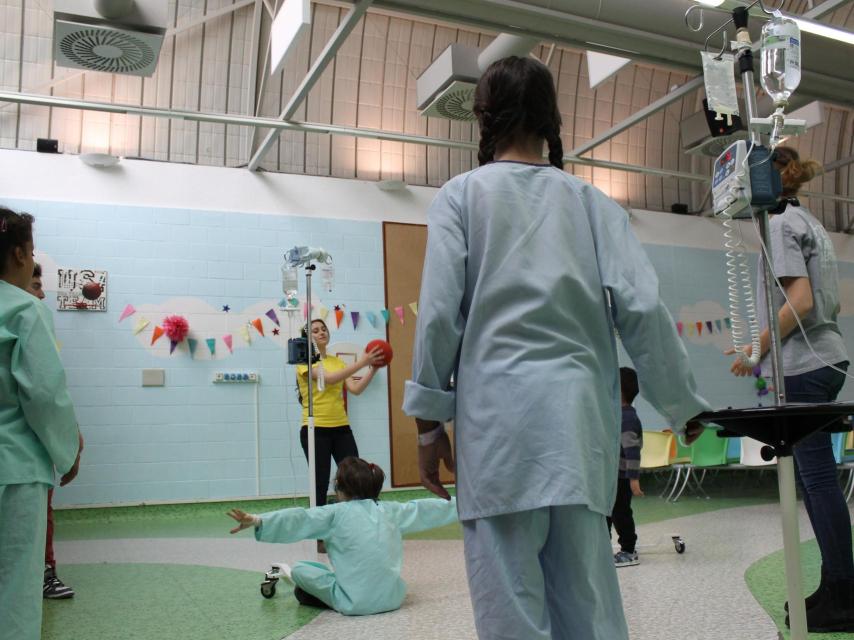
[363,538]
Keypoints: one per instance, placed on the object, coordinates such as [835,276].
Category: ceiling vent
[114,36]
[446,88]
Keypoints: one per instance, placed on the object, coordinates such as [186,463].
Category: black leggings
[329,442]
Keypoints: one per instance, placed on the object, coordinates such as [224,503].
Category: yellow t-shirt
[329,408]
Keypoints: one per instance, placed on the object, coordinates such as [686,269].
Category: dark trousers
[49,560]
[815,469]
[622,518]
[329,443]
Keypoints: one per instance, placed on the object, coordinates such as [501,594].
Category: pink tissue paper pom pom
[176,328]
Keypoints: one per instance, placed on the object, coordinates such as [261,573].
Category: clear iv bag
[781,58]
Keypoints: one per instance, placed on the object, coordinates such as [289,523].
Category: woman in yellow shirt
[333,437]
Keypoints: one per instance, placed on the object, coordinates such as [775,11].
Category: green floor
[160,601]
[766,581]
[208,520]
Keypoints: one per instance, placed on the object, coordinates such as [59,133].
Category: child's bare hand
[634,485]
[246,520]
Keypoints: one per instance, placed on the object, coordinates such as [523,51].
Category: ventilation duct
[114,36]
[446,88]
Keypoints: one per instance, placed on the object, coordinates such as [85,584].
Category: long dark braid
[516,99]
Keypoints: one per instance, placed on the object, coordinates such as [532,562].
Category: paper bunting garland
[192,344]
[372,318]
[272,315]
[385,314]
[258,325]
[322,312]
[129,311]
[709,325]
[158,333]
[414,307]
[211,342]
[728,324]
[718,325]
[244,333]
[399,312]
[141,324]
[228,342]
[699,328]
[679,327]
[354,316]
[172,346]
[339,315]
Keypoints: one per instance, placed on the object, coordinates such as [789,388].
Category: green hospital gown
[38,437]
[363,539]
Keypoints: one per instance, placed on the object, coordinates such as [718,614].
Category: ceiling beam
[662,103]
[347,25]
[836,164]
[828,6]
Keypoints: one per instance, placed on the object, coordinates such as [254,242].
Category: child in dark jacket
[628,484]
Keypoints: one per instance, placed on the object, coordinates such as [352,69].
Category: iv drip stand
[785,459]
[312,465]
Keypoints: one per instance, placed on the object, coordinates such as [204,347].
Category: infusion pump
[743,179]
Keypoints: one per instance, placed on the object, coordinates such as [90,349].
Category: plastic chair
[733,450]
[655,452]
[707,451]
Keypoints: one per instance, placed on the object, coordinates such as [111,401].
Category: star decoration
[226,308]
[275,332]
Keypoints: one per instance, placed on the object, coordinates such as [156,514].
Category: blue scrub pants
[22,534]
[544,574]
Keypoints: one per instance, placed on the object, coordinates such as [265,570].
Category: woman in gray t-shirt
[805,264]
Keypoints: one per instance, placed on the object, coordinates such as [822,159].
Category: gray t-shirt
[801,247]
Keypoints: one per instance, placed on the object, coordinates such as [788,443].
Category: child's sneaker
[53,588]
[626,559]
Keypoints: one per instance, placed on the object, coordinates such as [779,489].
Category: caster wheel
[268,588]
[679,545]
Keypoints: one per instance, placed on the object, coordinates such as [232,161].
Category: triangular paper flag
[141,324]
[158,332]
[718,325]
[272,315]
[728,323]
[385,314]
[211,345]
[372,318]
[339,316]
[354,316]
[679,327]
[192,343]
[257,324]
[691,329]
[129,311]
[228,342]
[172,345]
[601,66]
[244,333]
[699,328]
[322,312]
[709,325]
[399,312]
[414,307]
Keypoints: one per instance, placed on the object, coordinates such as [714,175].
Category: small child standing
[363,538]
[628,484]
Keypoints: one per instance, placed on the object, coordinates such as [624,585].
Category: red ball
[92,290]
[383,346]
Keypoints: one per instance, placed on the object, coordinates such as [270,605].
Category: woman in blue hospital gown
[521,262]
[38,431]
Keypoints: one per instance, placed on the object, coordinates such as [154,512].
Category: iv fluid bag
[781,58]
[290,282]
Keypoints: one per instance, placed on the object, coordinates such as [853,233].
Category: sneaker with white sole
[626,559]
[53,588]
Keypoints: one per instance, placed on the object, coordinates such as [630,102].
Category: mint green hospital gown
[363,539]
[38,437]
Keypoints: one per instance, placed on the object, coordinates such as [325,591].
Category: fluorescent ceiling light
[293,19]
[824,30]
[711,3]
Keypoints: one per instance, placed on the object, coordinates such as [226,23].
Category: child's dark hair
[16,230]
[304,334]
[515,98]
[37,270]
[628,384]
[359,479]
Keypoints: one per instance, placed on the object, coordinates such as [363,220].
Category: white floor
[700,595]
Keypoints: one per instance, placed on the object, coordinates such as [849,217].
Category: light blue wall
[191,439]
